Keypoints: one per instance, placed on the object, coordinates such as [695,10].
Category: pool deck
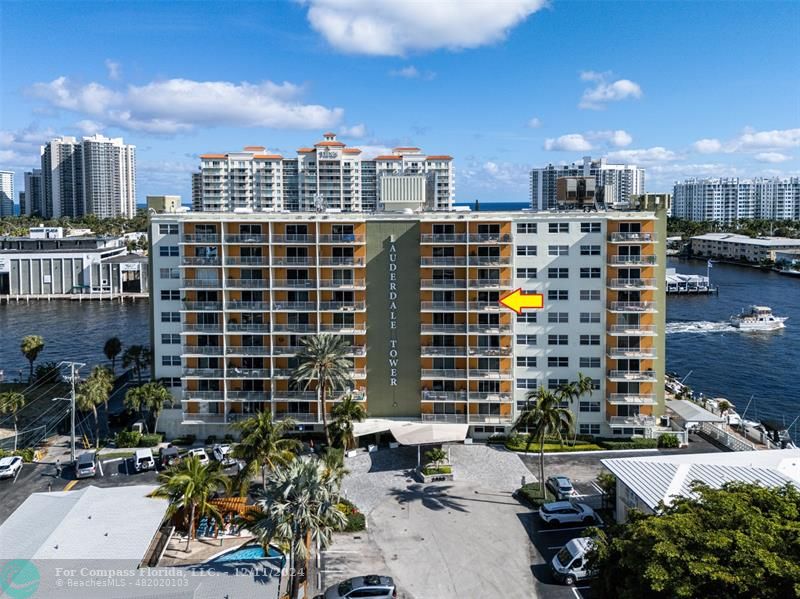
[200,551]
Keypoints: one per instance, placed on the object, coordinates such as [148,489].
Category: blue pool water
[250,553]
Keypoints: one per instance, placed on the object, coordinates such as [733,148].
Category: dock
[75,297]
[680,284]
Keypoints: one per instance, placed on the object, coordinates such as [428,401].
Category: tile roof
[440,157]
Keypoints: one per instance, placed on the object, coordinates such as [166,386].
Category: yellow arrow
[518,301]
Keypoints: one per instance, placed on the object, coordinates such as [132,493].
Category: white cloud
[114,69]
[751,140]
[89,127]
[572,142]
[397,28]
[535,123]
[359,130]
[656,154]
[412,72]
[20,148]
[605,91]
[618,138]
[370,151]
[772,157]
[707,146]
[178,105]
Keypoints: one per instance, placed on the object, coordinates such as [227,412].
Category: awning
[371,426]
[413,433]
[689,411]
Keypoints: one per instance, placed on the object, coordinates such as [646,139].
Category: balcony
[343,306]
[485,350]
[444,396]
[249,395]
[432,327]
[201,306]
[632,237]
[299,238]
[649,260]
[491,397]
[633,307]
[489,260]
[490,329]
[636,376]
[201,283]
[443,261]
[346,238]
[200,261]
[282,373]
[489,238]
[495,374]
[278,395]
[440,373]
[203,417]
[202,350]
[632,353]
[294,306]
[246,238]
[247,327]
[201,238]
[443,306]
[235,372]
[247,306]
[287,327]
[203,373]
[486,306]
[648,399]
[248,283]
[490,419]
[248,350]
[639,421]
[305,417]
[443,284]
[190,395]
[450,418]
[636,284]
[293,261]
[633,330]
[489,283]
[247,261]
[439,350]
[191,327]
[342,284]
[443,238]
[344,329]
[341,261]
[293,283]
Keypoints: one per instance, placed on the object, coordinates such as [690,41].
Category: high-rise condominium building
[726,200]
[33,203]
[328,175]
[416,296]
[615,183]
[94,175]
[6,193]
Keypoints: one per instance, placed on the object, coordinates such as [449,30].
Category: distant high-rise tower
[96,175]
[6,193]
[616,182]
[726,200]
[33,194]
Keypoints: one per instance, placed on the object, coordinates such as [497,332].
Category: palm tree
[541,419]
[31,347]
[436,455]
[264,445]
[345,413]
[189,486]
[138,357]
[724,406]
[335,471]
[573,391]
[322,361]
[297,506]
[92,392]
[135,401]
[111,349]
[152,396]
[11,402]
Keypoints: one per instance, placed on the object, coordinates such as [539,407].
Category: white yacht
[758,318]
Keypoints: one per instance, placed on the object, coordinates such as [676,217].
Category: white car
[200,454]
[366,587]
[564,512]
[10,466]
[223,454]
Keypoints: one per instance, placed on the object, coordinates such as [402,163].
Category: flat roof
[691,412]
[736,238]
[660,478]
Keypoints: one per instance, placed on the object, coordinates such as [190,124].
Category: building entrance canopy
[413,433]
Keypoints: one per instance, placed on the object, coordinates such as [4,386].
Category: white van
[143,460]
[569,564]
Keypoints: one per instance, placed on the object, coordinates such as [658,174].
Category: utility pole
[73,371]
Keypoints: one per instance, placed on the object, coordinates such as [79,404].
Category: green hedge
[137,439]
[517,443]
[531,495]
[26,454]
[150,440]
[429,470]
[628,443]
[356,521]
[185,440]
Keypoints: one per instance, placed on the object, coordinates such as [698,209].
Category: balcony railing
[430,327]
[341,261]
[203,350]
[235,372]
[639,421]
[634,307]
[294,306]
[443,238]
[489,283]
[644,376]
[201,238]
[293,261]
[443,283]
[489,238]
[247,238]
[489,418]
[633,284]
[209,373]
[297,416]
[438,350]
[202,283]
[202,417]
[632,329]
[491,397]
[342,283]
[200,261]
[632,237]
[649,260]
[248,350]
[247,327]
[249,395]
[189,395]
[647,399]
[451,418]
[294,283]
[279,395]
[442,373]
[244,306]
[444,396]
[632,353]
[343,306]
[490,329]
[191,327]
[484,350]
[347,329]
[443,306]
[443,261]
[247,261]
[486,306]
[201,306]
[490,260]
[298,238]
[341,238]
[481,373]
[285,327]
[247,283]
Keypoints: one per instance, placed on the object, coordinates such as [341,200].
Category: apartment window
[558,273]
[170,294]
[170,338]
[526,339]
[590,227]
[527,318]
[525,273]
[168,229]
[558,340]
[170,317]
[589,406]
[557,362]
[590,250]
[590,317]
[555,384]
[558,250]
[526,250]
[170,273]
[171,381]
[170,360]
[590,273]
[526,383]
[595,384]
[557,317]
[557,294]
[524,228]
[526,361]
[589,429]
[558,228]
[590,295]
[590,340]
[168,250]
[589,362]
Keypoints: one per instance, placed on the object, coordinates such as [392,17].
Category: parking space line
[576,593]
[70,484]
[543,530]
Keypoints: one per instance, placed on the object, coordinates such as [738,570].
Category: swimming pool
[251,553]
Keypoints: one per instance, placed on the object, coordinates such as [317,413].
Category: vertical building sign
[393,353]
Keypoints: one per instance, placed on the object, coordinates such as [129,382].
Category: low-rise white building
[731,246]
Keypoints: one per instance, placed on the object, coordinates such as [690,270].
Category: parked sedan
[564,512]
[561,487]
[367,587]
[10,466]
[200,454]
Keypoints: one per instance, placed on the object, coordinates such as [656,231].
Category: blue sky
[681,88]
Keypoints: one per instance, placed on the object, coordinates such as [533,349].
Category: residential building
[328,175]
[615,183]
[416,296]
[164,203]
[643,483]
[6,193]
[730,246]
[727,200]
[94,175]
[33,198]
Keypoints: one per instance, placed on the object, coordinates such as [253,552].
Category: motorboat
[758,318]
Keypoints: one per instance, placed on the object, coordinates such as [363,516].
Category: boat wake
[701,326]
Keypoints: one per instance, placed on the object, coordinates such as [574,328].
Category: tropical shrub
[668,442]
[356,521]
[128,439]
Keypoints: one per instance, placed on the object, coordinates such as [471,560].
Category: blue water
[250,553]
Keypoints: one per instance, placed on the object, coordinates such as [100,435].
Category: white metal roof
[661,478]
[691,412]
[413,433]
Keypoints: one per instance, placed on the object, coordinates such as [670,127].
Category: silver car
[564,512]
[561,487]
[362,587]
[86,465]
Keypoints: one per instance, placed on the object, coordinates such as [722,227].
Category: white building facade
[618,181]
[6,193]
[726,200]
